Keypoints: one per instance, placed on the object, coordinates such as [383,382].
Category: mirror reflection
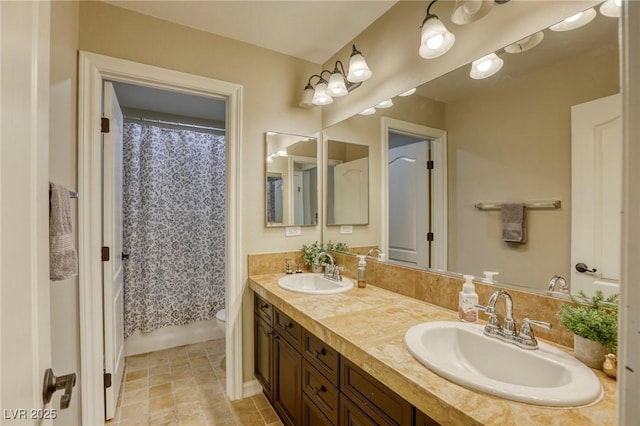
[291,190]
[347,183]
[509,140]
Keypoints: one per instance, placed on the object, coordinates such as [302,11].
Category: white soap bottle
[362,271]
[467,301]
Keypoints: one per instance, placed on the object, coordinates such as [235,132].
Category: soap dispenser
[362,271]
[488,276]
[467,301]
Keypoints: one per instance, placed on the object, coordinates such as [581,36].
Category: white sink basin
[461,353]
[314,284]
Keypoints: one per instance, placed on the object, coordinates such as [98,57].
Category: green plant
[309,252]
[594,318]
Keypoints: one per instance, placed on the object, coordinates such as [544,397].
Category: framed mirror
[509,139]
[291,180]
[347,196]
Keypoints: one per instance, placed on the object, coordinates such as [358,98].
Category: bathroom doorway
[414,196]
[94,69]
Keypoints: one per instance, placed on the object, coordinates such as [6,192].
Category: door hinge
[429,236]
[105,254]
[104,125]
[107,380]
[430,165]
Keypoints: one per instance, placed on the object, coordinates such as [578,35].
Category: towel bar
[553,204]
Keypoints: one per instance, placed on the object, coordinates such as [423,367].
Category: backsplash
[430,287]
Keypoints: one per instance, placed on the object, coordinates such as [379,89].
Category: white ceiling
[308,29]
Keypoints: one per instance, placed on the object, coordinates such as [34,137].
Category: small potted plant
[311,251]
[594,323]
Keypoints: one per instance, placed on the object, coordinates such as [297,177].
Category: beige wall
[271,83]
[513,143]
[65,344]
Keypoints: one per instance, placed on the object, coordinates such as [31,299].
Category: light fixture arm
[429,15]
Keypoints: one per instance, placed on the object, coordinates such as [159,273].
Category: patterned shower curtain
[174,226]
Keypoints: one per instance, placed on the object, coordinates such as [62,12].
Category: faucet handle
[526,337]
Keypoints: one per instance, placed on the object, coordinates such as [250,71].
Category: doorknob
[581,267]
[53,383]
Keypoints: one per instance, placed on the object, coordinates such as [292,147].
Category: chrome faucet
[373,250]
[331,270]
[558,280]
[525,338]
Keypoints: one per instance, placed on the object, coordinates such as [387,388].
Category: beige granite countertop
[368,325]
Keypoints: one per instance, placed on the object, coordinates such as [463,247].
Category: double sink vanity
[373,356]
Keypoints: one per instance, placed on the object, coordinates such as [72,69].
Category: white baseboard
[251,388]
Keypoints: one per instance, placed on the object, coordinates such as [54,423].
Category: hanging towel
[63,259]
[514,223]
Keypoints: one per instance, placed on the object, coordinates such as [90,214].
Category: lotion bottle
[467,301]
[362,271]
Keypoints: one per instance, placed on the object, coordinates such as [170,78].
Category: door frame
[93,69]
[439,192]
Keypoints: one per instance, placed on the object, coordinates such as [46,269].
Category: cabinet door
[263,356]
[423,420]
[312,415]
[287,398]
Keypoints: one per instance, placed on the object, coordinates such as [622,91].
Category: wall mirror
[509,139]
[291,180]
[347,196]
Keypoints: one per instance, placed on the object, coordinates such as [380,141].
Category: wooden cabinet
[287,396]
[378,402]
[263,355]
[311,384]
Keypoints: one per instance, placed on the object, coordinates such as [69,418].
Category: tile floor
[185,386]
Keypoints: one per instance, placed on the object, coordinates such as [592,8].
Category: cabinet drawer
[319,390]
[311,414]
[377,400]
[288,329]
[321,356]
[351,415]
[263,309]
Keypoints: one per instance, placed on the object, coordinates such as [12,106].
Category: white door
[298,198]
[596,193]
[25,343]
[351,186]
[112,279]
[408,204]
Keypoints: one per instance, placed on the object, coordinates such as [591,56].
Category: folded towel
[514,223]
[63,259]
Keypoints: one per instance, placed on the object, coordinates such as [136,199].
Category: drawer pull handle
[290,325]
[320,390]
[320,353]
[264,307]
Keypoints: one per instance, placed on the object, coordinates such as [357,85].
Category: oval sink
[461,353]
[314,284]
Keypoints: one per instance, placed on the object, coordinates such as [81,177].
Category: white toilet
[221,319]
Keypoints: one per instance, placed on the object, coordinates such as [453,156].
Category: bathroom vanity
[340,359]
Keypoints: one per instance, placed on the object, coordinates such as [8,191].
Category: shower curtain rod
[174,123]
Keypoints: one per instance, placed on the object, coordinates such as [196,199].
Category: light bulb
[408,92]
[486,66]
[385,104]
[575,21]
[435,41]
[336,85]
[320,96]
[573,18]
[368,111]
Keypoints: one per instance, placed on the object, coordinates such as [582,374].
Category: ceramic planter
[589,352]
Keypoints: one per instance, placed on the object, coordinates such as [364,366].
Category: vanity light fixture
[320,95]
[525,44]
[408,92]
[339,84]
[611,8]
[368,111]
[575,21]
[385,104]
[282,153]
[435,39]
[485,66]
[467,11]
